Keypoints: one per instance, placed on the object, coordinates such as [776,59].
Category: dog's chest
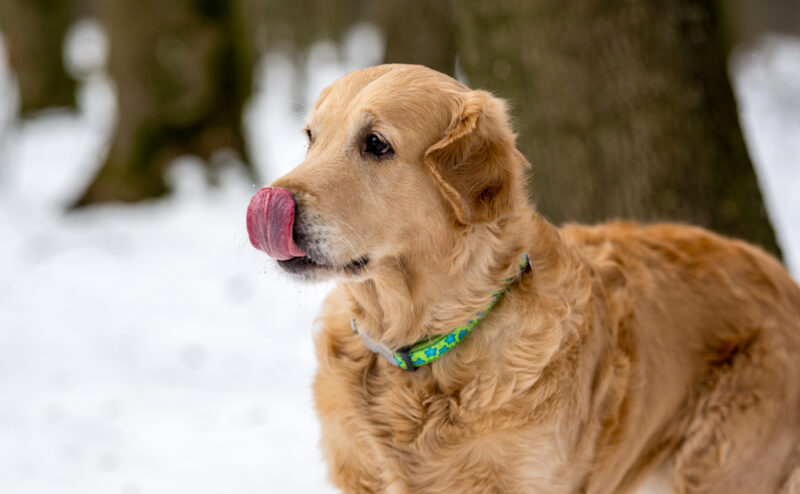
[385,432]
[435,448]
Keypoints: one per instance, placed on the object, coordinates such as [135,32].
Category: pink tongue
[270,217]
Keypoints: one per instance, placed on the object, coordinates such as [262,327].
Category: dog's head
[402,162]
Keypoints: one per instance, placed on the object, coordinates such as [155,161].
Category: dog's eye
[375,146]
[308,133]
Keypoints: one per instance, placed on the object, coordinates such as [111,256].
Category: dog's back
[718,317]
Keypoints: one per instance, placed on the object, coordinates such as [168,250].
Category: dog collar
[429,349]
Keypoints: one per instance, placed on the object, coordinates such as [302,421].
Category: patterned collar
[429,349]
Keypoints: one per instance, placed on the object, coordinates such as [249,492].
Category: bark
[183,73]
[34,33]
[418,32]
[747,20]
[624,109]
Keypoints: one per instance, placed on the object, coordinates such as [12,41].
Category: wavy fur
[624,348]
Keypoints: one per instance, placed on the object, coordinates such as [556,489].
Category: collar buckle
[403,353]
[374,346]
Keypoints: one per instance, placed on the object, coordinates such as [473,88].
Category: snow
[149,349]
[767,84]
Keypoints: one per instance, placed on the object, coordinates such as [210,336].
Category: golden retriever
[619,350]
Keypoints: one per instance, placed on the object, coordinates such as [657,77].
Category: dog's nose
[270,220]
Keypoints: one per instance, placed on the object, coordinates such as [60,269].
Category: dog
[472,347]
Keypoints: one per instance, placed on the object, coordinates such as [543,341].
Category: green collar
[429,349]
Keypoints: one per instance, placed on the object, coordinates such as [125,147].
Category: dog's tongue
[270,217]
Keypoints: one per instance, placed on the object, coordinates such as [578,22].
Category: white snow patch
[767,83]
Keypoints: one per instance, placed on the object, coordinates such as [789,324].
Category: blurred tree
[747,20]
[419,32]
[183,73]
[34,31]
[623,108]
[298,24]
[416,31]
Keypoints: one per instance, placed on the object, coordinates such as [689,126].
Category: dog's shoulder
[669,245]
[626,235]
[714,280]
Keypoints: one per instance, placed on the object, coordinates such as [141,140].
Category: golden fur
[624,348]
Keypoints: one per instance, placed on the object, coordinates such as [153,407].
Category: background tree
[183,71]
[746,20]
[419,32]
[623,108]
[415,31]
[34,31]
[183,74]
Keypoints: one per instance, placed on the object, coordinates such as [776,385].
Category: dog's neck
[399,306]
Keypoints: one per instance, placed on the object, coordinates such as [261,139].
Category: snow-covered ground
[767,84]
[148,349]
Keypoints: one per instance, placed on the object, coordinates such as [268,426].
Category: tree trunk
[623,108]
[34,31]
[183,73]
[418,32]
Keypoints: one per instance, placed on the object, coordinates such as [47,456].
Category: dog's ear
[476,164]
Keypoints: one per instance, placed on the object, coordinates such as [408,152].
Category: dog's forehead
[388,90]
